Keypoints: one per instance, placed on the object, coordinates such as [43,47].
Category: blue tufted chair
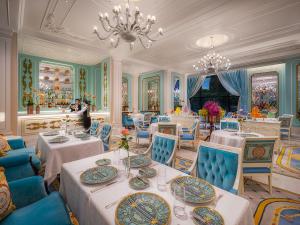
[141,132]
[162,148]
[17,166]
[105,136]
[94,129]
[34,206]
[258,158]
[219,165]
[164,119]
[232,125]
[153,119]
[127,121]
[189,136]
[18,147]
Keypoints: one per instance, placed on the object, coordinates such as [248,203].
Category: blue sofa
[34,206]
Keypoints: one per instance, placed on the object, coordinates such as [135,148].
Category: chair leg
[270,183]
[242,185]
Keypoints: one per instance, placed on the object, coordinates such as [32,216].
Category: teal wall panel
[130,90]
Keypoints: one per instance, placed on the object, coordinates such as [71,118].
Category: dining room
[149,112]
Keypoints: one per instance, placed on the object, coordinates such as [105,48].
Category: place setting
[58,139]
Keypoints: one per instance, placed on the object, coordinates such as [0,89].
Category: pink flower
[212,107]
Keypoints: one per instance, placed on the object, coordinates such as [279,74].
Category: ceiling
[259,31]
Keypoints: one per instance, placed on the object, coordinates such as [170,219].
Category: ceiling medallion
[212,62]
[129,27]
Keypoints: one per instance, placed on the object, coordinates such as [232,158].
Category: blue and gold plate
[139,183]
[98,175]
[103,162]
[197,191]
[51,133]
[147,172]
[208,216]
[143,208]
[137,161]
[58,139]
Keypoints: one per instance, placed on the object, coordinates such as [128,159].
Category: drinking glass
[179,194]
[116,157]
[161,179]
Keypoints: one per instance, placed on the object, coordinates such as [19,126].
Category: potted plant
[30,106]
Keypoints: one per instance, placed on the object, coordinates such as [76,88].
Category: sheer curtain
[194,83]
[236,83]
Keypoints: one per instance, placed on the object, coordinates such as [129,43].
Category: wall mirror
[151,94]
[55,85]
[298,91]
[265,93]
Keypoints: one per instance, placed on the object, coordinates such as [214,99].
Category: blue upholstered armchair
[190,129]
[34,206]
[232,125]
[219,165]
[258,158]
[18,147]
[18,166]
[189,135]
[105,136]
[127,121]
[94,129]
[162,148]
[141,132]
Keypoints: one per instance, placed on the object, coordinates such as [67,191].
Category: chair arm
[149,149]
[16,142]
[16,160]
[27,190]
[191,170]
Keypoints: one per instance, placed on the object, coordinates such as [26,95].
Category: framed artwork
[55,85]
[265,92]
[298,91]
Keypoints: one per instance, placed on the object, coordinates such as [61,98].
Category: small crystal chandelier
[129,27]
[212,62]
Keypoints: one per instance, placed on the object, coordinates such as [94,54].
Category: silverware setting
[142,179]
[114,202]
[197,217]
[104,186]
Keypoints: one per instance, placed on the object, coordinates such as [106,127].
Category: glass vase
[127,168]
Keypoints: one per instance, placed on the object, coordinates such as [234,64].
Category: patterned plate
[51,133]
[143,208]
[103,162]
[59,139]
[137,161]
[210,216]
[98,175]
[197,190]
[147,172]
[81,135]
[139,183]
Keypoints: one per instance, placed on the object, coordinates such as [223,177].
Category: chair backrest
[286,121]
[164,119]
[105,132]
[163,147]
[234,125]
[167,128]
[259,151]
[147,117]
[219,165]
[94,129]
[154,119]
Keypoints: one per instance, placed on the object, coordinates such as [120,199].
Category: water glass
[161,179]
[179,194]
[116,157]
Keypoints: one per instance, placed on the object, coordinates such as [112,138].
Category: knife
[104,186]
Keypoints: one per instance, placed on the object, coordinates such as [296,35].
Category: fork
[114,202]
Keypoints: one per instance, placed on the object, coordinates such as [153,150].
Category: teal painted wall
[142,76]
[93,74]
[130,90]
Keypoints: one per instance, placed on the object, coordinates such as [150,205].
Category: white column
[135,93]
[116,94]
[167,92]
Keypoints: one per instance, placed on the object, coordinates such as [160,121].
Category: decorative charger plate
[103,162]
[143,208]
[196,190]
[208,215]
[147,172]
[137,161]
[139,183]
[51,133]
[59,139]
[98,175]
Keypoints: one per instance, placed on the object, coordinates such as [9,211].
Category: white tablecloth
[154,127]
[89,207]
[228,138]
[54,155]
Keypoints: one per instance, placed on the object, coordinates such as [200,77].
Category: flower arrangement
[125,138]
[178,111]
[203,112]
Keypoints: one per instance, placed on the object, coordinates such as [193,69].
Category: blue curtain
[194,83]
[236,83]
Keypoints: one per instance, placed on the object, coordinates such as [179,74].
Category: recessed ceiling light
[219,39]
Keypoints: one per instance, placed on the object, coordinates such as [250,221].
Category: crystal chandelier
[212,62]
[129,27]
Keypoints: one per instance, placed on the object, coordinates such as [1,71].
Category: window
[213,90]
